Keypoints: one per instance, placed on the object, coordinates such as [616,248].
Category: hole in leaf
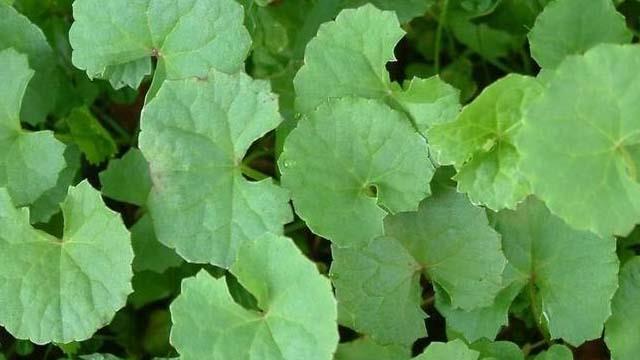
[371,190]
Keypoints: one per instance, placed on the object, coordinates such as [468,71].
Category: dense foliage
[319,179]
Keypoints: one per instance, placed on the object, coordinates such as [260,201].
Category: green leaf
[285,284]
[16,31]
[580,141]
[201,129]
[69,287]
[555,352]
[48,204]
[29,161]
[366,349]
[358,158]
[498,350]
[116,40]
[150,253]
[479,143]
[378,285]
[127,179]
[378,291]
[553,260]
[455,349]
[405,10]
[94,141]
[99,357]
[622,327]
[483,322]
[481,38]
[455,246]
[569,27]
[348,58]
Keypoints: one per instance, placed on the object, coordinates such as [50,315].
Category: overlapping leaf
[115,40]
[624,324]
[570,27]
[350,163]
[348,58]
[366,349]
[195,134]
[378,286]
[479,143]
[553,260]
[29,161]
[17,32]
[455,349]
[127,179]
[580,141]
[297,318]
[63,290]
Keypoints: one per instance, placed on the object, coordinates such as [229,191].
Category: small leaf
[479,143]
[17,32]
[194,135]
[555,352]
[150,254]
[571,27]
[29,161]
[94,141]
[624,324]
[348,58]
[361,160]
[69,287]
[455,349]
[285,283]
[127,179]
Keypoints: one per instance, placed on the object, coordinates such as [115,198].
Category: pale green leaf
[455,246]
[623,327]
[16,31]
[29,161]
[580,141]
[406,9]
[116,39]
[194,135]
[455,349]
[48,203]
[479,143]
[367,349]
[348,58]
[351,162]
[92,138]
[497,350]
[570,27]
[483,322]
[150,253]
[69,287]
[555,352]
[127,179]
[298,317]
[553,260]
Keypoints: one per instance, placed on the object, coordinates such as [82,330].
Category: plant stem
[294,226]
[253,174]
[442,19]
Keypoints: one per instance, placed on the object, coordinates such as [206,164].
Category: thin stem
[526,62]
[441,20]
[528,347]
[537,312]
[113,124]
[294,226]
[253,173]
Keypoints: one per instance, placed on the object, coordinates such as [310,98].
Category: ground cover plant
[319,179]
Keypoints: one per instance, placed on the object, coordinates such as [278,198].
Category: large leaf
[29,161]
[348,58]
[351,162]
[447,239]
[195,134]
[63,290]
[569,27]
[552,261]
[115,40]
[479,143]
[623,327]
[580,141]
[16,31]
[297,318]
